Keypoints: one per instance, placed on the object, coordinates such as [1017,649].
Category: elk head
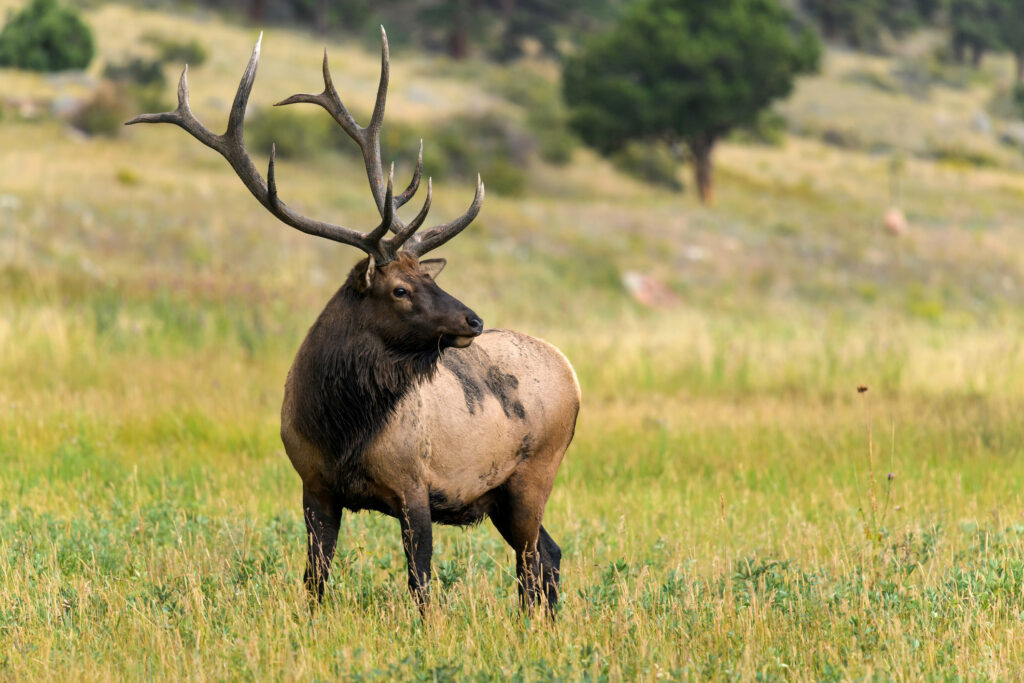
[406,309]
[399,298]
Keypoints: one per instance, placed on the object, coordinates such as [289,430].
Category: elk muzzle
[463,338]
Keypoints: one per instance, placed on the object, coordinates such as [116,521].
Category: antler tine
[271,179]
[404,233]
[420,244]
[182,116]
[231,146]
[372,158]
[236,119]
[414,184]
[329,100]
[387,220]
[367,138]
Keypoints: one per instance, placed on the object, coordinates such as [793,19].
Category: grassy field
[732,507]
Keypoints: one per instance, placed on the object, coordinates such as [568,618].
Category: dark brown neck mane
[347,383]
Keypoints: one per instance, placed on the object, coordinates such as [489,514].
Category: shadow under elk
[398,399]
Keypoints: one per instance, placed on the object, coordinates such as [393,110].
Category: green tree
[1011,32]
[862,23]
[46,37]
[322,16]
[853,22]
[975,28]
[685,71]
[545,21]
[502,26]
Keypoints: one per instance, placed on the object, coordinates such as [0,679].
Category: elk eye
[401,292]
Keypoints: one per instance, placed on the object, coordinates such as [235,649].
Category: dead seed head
[861,389]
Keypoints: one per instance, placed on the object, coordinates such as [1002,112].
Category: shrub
[461,147]
[547,118]
[651,163]
[105,113]
[399,142]
[1018,99]
[549,122]
[916,77]
[171,51]
[144,80]
[46,37]
[956,154]
[297,133]
[844,138]
[872,79]
[769,129]
[137,71]
[503,177]
[489,145]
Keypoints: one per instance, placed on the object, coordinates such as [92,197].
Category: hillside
[801,221]
[724,510]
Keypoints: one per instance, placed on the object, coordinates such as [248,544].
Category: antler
[231,145]
[368,139]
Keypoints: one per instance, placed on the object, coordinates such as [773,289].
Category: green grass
[725,511]
[717,512]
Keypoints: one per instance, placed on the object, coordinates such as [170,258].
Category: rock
[895,222]
[648,290]
[65,106]
[981,123]
[1012,134]
[10,202]
[695,253]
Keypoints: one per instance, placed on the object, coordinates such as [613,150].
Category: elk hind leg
[517,519]
[550,562]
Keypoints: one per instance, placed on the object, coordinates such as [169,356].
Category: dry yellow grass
[721,512]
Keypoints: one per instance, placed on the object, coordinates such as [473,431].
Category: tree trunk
[701,147]
[828,26]
[1019,61]
[509,37]
[458,38]
[977,53]
[256,8]
[322,14]
[959,50]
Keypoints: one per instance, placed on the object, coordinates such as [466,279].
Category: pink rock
[648,290]
[895,222]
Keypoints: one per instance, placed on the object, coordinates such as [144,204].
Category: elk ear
[433,267]
[367,279]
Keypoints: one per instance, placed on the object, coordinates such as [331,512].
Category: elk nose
[475,324]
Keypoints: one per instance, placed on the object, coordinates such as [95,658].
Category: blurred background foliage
[720,510]
[685,95]
[44,36]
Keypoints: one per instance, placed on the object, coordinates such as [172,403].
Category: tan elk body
[398,399]
[459,435]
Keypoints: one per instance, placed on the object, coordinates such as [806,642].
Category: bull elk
[398,399]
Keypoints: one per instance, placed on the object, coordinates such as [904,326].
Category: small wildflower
[861,389]
[898,508]
[891,476]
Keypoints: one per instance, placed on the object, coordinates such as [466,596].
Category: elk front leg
[418,543]
[322,521]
